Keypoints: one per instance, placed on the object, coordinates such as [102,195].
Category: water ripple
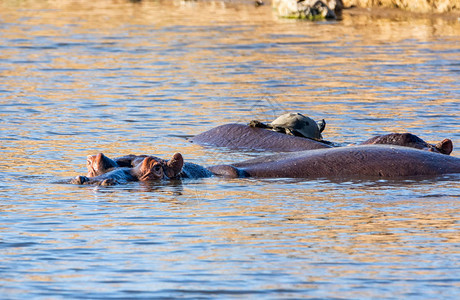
[143,77]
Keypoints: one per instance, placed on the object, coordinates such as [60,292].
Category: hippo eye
[157,168]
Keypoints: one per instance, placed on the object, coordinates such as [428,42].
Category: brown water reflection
[81,77]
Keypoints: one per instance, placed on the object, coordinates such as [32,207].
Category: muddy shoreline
[383,11]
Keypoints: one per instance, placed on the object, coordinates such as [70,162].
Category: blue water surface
[120,77]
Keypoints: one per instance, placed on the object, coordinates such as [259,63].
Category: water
[77,78]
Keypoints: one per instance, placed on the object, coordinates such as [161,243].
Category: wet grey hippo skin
[103,170]
[363,162]
[239,136]
[99,164]
[367,161]
[410,140]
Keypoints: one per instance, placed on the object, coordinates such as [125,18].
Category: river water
[82,77]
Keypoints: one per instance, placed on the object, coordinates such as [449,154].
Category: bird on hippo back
[295,132]
[374,160]
[288,132]
[294,124]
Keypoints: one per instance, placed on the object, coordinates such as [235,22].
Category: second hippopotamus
[362,162]
[239,136]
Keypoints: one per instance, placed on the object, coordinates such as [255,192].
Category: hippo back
[382,161]
[238,136]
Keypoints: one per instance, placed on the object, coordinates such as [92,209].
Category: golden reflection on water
[83,77]
[310,228]
[111,19]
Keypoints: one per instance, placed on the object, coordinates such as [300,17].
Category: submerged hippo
[99,164]
[366,161]
[103,170]
[238,136]
[288,132]
[410,140]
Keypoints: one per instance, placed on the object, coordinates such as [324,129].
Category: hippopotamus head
[154,168]
[99,164]
[410,140]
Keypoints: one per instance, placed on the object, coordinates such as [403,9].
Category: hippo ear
[105,162]
[99,164]
[445,146]
[174,165]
